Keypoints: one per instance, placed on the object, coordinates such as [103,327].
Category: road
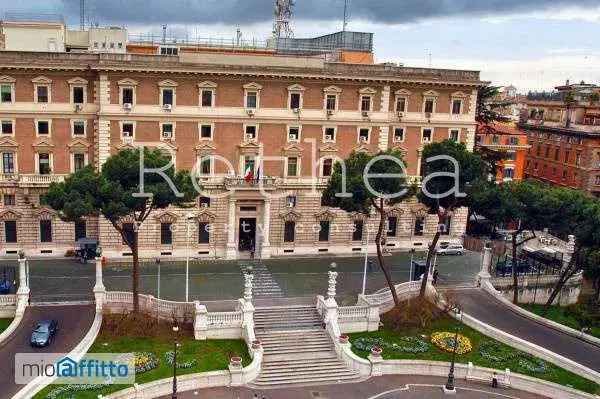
[73,323]
[388,387]
[485,308]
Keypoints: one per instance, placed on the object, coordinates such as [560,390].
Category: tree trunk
[514,269]
[135,273]
[430,255]
[597,290]
[565,275]
[382,265]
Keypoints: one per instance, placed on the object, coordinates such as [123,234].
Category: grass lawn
[210,355]
[562,315]
[552,373]
[4,323]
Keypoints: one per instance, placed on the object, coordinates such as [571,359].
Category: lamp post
[175,330]
[450,383]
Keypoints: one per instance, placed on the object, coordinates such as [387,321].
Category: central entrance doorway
[247,234]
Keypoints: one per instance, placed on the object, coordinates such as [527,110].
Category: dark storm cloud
[249,11]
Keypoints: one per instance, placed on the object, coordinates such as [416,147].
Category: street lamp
[450,383]
[188,217]
[175,331]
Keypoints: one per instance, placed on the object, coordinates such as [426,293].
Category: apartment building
[60,112]
[508,139]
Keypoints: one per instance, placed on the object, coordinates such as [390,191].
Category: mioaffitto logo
[91,368]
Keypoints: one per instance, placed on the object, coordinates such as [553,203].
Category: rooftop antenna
[238,37]
[345,25]
[82,14]
[283,15]
[164,37]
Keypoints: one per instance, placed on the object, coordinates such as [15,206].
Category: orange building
[509,139]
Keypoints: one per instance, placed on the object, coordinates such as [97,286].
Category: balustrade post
[200,321]
[484,275]
[99,289]
[331,306]
[23,291]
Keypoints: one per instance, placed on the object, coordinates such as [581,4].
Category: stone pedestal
[231,250]
[23,291]
[376,362]
[99,289]
[484,275]
[200,321]
[237,377]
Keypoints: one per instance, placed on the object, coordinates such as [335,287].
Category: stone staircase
[297,351]
[264,285]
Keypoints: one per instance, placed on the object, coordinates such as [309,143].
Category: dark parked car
[43,333]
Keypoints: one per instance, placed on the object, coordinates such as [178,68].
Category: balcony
[240,183]
[31,180]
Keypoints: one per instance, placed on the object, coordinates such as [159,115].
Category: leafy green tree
[378,193]
[489,107]
[450,170]
[112,195]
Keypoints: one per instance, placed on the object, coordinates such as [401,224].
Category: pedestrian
[370,266]
[436,274]
[494,380]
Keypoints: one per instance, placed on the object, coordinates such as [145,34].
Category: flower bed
[169,357]
[407,344]
[447,342]
[145,361]
[72,389]
[497,353]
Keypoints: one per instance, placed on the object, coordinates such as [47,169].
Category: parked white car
[452,249]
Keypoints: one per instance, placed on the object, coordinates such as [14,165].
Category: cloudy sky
[533,44]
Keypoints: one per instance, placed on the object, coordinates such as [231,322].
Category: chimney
[567,82]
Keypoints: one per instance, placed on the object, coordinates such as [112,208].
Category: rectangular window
[294,100]
[392,226]
[294,133]
[167,96]
[567,156]
[10,200]
[495,139]
[329,134]
[331,102]
[509,173]
[207,98]
[166,234]
[429,106]
[6,93]
[78,128]
[42,94]
[513,141]
[324,230]
[44,164]
[45,231]
[511,156]
[204,202]
[597,181]
[291,201]
[7,127]
[454,135]
[43,127]
[292,166]
[398,135]
[249,164]
[327,167]
[251,99]
[78,162]
[10,231]
[401,104]
[363,135]
[8,163]
[205,166]
[456,107]
[427,133]
[206,131]
[80,230]
[365,103]
[203,233]
[357,233]
[167,131]
[578,159]
[445,231]
[127,130]
[289,232]
[419,226]
[250,132]
[127,93]
[556,153]
[78,97]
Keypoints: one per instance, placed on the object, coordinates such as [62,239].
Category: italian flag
[248,174]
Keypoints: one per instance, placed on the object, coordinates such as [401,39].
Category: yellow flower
[444,340]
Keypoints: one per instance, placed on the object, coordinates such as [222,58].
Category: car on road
[451,249]
[43,333]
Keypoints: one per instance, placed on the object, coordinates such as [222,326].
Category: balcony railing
[241,182]
[32,179]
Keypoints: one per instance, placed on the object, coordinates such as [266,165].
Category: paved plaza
[211,280]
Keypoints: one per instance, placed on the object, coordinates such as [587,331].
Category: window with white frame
[508,173]
[206,131]
[427,135]
[454,135]
[327,169]
[43,127]
[167,131]
[363,135]
[127,129]
[331,98]
[293,167]
[457,106]
[10,200]
[429,106]
[329,133]
[252,99]
[167,96]
[7,92]
[206,165]
[78,128]
[78,94]
[44,164]
[401,103]
[331,102]
[79,160]
[207,98]
[366,102]
[398,134]
[8,163]
[7,127]
[293,133]
[127,95]
[42,93]
[250,132]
